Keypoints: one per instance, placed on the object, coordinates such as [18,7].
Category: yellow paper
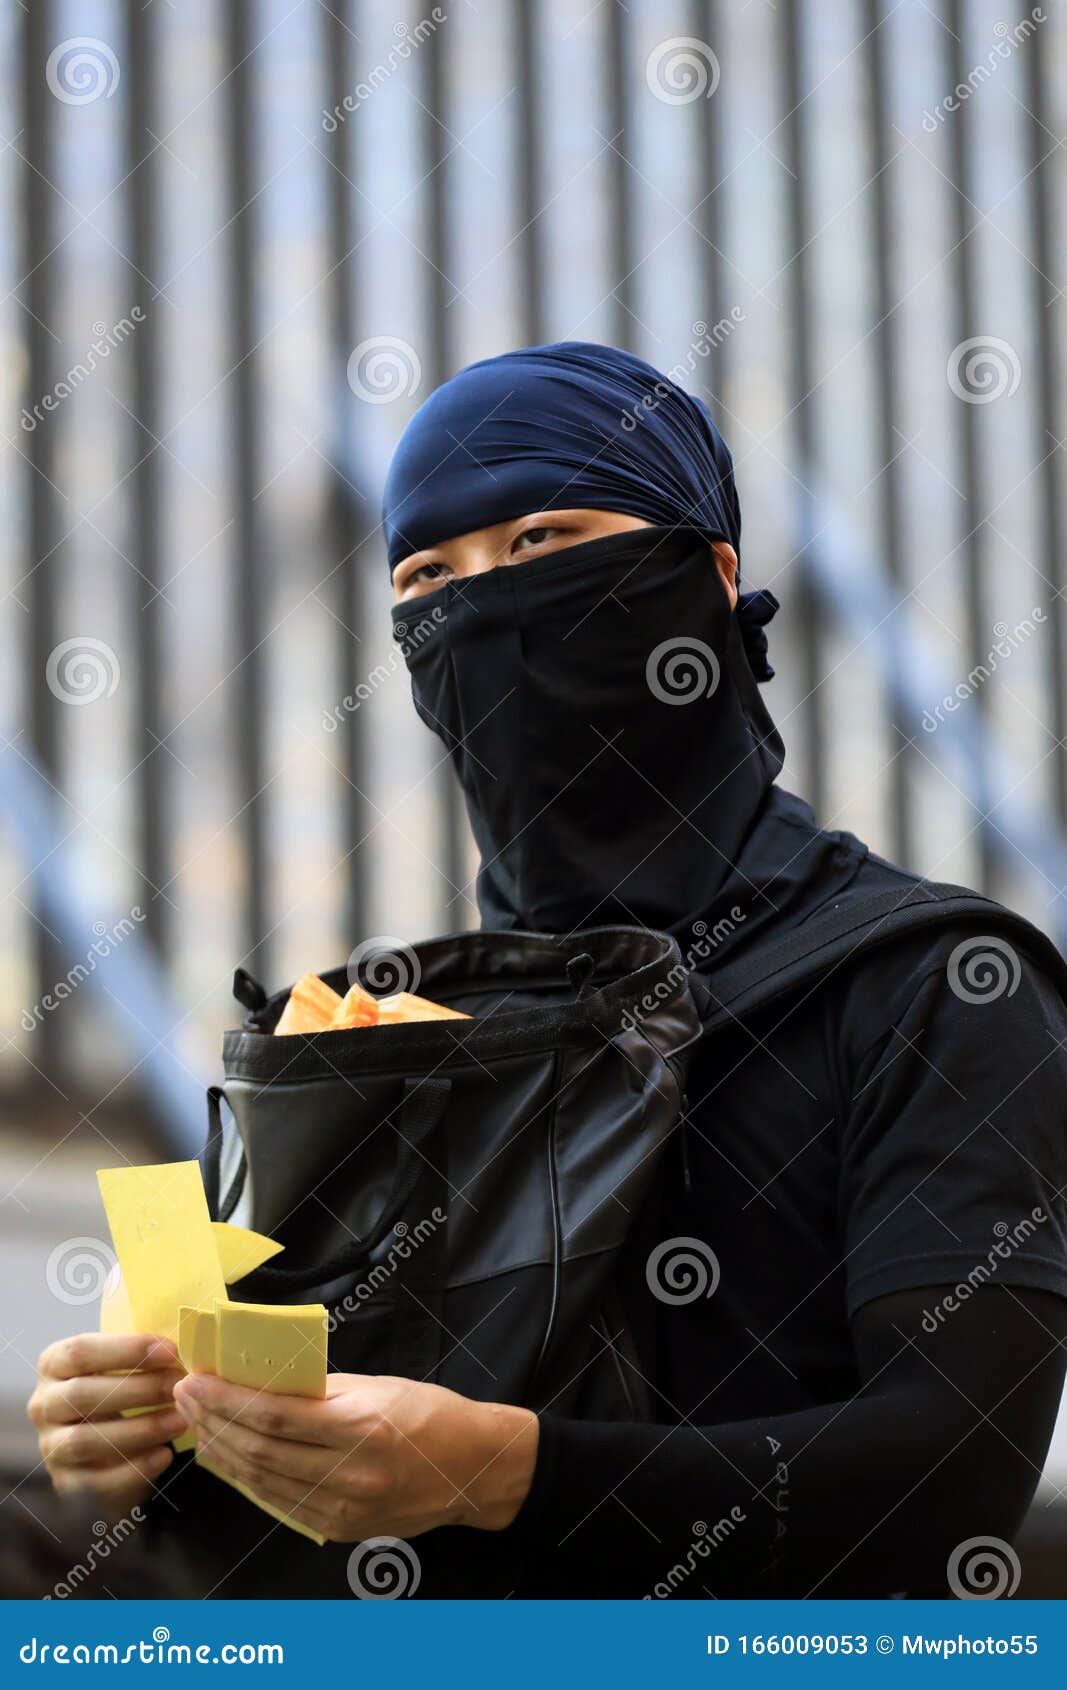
[117,1319]
[197,1339]
[272,1348]
[269,1348]
[116,1315]
[164,1241]
[173,1262]
[241,1251]
[196,1351]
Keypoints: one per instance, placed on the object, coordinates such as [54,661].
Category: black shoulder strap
[805,956]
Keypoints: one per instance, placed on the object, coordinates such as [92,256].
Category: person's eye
[427,574]
[531,537]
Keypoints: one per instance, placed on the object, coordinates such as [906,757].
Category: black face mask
[609,737]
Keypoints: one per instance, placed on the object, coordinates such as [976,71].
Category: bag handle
[761,976]
[211,1155]
[422,1109]
[219,1207]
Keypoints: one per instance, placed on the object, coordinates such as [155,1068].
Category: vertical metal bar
[1044,150]
[705,16]
[620,133]
[440,365]
[142,184]
[888,407]
[963,220]
[531,172]
[247,599]
[809,611]
[345,526]
[38,297]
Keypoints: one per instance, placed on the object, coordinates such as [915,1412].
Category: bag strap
[767,973]
[422,1108]
[211,1155]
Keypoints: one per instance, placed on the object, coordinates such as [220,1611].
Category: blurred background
[240,243]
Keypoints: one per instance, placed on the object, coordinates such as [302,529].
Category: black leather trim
[482,963]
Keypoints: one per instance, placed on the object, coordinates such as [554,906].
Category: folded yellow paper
[262,1345]
[196,1340]
[170,1280]
[273,1348]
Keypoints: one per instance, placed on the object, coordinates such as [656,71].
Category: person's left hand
[376,1457]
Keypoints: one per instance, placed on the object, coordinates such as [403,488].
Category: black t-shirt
[902,1125]
[880,1133]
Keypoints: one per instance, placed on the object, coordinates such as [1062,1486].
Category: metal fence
[242,242]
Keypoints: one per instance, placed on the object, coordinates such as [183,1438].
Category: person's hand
[376,1457]
[77,1409]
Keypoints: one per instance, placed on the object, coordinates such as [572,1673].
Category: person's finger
[97,1443]
[305,1419]
[309,1463]
[281,1489]
[98,1396]
[117,1481]
[105,1352]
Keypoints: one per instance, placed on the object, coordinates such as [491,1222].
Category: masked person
[860,1376]
[573,517]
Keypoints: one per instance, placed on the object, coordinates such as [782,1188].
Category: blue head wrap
[574,425]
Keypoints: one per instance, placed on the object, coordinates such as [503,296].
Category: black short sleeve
[954,1144]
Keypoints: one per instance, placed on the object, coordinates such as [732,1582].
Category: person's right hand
[77,1406]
